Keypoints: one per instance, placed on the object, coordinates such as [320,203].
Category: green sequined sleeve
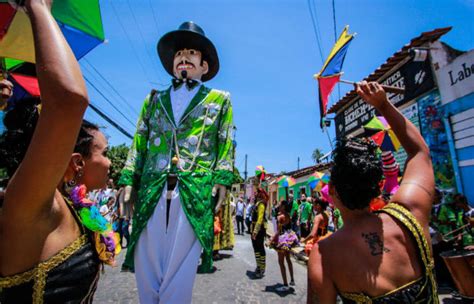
[132,171]
[225,159]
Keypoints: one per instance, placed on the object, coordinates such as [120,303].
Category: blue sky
[268,54]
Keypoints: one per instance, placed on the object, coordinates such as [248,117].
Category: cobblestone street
[231,282]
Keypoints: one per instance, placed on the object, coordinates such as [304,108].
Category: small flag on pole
[331,72]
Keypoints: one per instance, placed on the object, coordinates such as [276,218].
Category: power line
[108,100]
[314,21]
[111,86]
[110,121]
[154,16]
[155,19]
[334,19]
[335,40]
[106,91]
[130,42]
[153,62]
[317,25]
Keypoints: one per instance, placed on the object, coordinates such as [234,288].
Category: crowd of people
[63,218]
[298,224]
[116,206]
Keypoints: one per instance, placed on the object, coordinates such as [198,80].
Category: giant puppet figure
[181,155]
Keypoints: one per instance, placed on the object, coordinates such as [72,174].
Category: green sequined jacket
[203,143]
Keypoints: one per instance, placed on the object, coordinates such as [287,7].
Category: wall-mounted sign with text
[415,77]
[456,79]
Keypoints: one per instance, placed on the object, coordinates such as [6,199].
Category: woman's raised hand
[30,4]
[372,93]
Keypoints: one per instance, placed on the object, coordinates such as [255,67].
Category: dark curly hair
[321,202]
[20,123]
[286,206]
[356,172]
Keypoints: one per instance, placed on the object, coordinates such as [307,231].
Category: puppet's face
[189,60]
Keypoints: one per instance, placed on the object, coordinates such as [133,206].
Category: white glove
[128,194]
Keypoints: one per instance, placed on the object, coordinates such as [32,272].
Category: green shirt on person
[294,209]
[450,217]
[337,215]
[306,210]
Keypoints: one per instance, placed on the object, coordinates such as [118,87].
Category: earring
[69,185]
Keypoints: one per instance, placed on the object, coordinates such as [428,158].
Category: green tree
[317,154]
[118,156]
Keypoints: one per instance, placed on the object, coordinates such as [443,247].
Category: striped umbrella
[314,179]
[260,172]
[384,137]
[286,181]
[79,20]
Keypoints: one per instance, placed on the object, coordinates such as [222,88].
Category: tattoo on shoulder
[417,184]
[375,243]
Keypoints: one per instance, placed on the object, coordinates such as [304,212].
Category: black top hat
[190,36]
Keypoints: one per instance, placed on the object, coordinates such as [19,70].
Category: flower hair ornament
[106,240]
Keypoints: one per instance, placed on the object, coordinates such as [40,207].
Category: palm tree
[317,154]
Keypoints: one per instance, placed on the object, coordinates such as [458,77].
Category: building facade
[446,123]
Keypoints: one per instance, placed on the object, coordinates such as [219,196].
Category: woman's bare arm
[417,188]
[64,100]
[317,220]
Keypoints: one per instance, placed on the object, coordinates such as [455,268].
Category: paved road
[231,282]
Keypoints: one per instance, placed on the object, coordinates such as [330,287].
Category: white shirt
[180,100]
[240,208]
[104,210]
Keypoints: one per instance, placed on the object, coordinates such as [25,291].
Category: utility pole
[245,179]
[298,167]
[245,172]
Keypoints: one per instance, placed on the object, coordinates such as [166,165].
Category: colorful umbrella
[286,181]
[260,172]
[28,83]
[79,20]
[385,138]
[321,179]
[314,179]
[25,84]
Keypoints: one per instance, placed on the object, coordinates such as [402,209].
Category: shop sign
[456,79]
[415,77]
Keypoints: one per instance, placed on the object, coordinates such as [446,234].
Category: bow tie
[190,83]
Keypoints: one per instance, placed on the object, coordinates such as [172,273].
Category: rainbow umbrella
[260,172]
[286,181]
[324,181]
[79,20]
[318,180]
[384,137]
[314,179]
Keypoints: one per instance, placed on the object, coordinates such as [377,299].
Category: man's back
[240,208]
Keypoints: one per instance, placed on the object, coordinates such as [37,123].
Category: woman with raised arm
[53,238]
[385,256]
